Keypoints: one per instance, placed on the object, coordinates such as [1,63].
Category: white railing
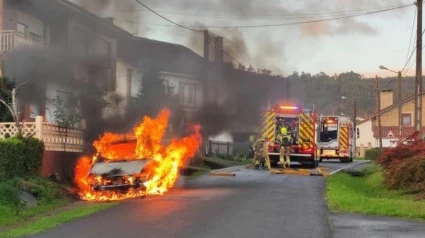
[10,40]
[9,129]
[55,138]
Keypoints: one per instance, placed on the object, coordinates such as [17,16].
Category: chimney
[387,98]
[218,50]
[206,45]
[110,20]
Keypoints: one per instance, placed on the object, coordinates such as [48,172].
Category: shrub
[410,175]
[10,194]
[20,158]
[391,158]
[373,154]
[44,190]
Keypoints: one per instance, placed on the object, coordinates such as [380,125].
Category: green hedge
[20,158]
[373,154]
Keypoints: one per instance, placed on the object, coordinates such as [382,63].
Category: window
[35,37]
[190,95]
[407,119]
[79,42]
[187,94]
[22,29]
[212,95]
[181,94]
[329,129]
[101,48]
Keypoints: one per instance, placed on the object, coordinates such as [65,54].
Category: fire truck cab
[295,127]
[336,138]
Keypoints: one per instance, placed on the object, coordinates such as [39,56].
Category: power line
[278,24]
[410,41]
[232,16]
[413,51]
[175,23]
[312,21]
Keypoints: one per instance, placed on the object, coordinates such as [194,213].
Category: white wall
[366,134]
[136,77]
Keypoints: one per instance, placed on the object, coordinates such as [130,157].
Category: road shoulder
[359,226]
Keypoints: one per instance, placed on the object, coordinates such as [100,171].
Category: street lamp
[400,118]
[354,124]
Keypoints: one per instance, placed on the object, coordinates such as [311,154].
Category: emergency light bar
[289,107]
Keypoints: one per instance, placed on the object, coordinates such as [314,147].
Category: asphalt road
[254,203]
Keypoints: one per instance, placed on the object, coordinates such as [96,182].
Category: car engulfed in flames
[135,164]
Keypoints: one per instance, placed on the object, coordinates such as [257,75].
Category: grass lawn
[368,195]
[9,216]
[48,222]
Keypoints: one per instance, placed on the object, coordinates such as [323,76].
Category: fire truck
[300,136]
[336,138]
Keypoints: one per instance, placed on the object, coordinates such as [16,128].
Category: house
[84,40]
[368,129]
[365,137]
[182,70]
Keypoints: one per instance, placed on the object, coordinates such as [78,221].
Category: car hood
[118,168]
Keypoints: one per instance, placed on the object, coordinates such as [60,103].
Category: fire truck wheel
[315,164]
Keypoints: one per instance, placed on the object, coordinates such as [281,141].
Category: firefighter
[285,159]
[260,154]
[283,134]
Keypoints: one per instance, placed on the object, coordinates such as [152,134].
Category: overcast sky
[359,44]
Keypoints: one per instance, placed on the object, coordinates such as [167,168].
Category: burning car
[119,175]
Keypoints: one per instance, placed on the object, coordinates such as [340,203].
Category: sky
[357,44]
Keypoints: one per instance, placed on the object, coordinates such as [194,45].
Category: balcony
[10,40]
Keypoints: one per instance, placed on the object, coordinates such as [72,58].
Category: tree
[6,88]
[67,113]
[155,94]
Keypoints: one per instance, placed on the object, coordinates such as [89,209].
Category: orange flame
[161,171]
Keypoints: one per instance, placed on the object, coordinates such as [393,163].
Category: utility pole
[378,105]
[288,88]
[355,129]
[400,113]
[206,45]
[418,81]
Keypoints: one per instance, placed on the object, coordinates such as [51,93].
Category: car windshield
[118,167]
[329,129]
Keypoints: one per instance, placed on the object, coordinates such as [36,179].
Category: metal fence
[229,148]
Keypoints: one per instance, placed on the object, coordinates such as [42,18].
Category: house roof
[393,131]
[139,52]
[389,108]
[167,57]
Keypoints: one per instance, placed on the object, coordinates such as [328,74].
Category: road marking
[348,166]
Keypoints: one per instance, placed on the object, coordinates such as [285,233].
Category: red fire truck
[299,133]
